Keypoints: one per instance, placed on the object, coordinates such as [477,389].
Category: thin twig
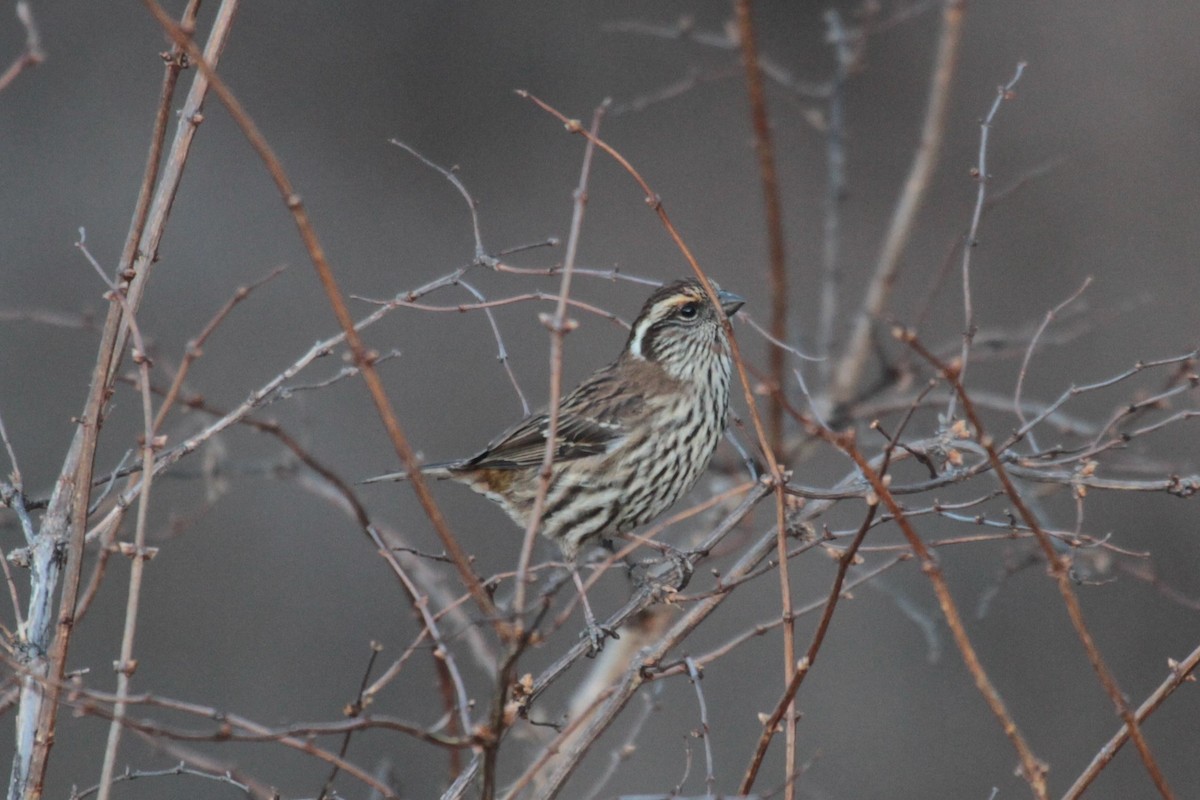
[404,302]
[234,727]
[501,350]
[694,675]
[482,258]
[195,347]
[481,253]
[1018,406]
[353,710]
[179,769]
[1005,92]
[139,554]
[959,241]
[17,483]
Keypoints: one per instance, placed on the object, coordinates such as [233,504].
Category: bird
[632,439]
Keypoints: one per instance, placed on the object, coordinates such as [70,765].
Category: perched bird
[632,439]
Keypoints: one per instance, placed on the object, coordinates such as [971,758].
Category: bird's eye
[688,310]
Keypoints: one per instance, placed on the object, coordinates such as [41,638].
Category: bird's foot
[684,567]
[596,633]
[673,571]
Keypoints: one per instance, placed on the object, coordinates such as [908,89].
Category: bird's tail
[441,471]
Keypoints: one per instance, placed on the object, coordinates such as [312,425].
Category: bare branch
[849,370]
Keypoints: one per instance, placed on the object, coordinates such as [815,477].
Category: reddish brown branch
[773,207]
[775,356]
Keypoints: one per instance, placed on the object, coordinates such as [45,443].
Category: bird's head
[680,330]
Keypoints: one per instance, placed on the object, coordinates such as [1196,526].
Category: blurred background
[264,601]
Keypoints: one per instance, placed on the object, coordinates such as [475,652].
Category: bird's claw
[673,572]
[683,563]
[596,634]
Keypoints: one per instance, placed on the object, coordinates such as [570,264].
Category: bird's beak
[730,302]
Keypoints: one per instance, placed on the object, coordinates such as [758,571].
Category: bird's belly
[678,458]
[636,481]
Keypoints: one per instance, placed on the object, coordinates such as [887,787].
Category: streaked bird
[632,438]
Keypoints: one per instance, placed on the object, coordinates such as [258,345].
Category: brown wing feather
[581,433]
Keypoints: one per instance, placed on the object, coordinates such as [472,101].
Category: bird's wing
[590,420]
[524,445]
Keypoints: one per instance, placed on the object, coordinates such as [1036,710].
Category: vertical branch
[126,664]
[58,550]
[849,369]
[835,159]
[152,210]
[559,325]
[710,778]
[1005,92]
[777,275]
[779,308]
